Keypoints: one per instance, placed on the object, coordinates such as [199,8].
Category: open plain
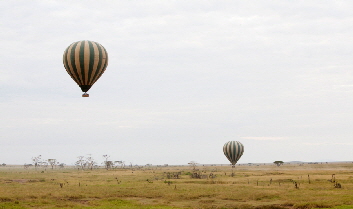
[322,185]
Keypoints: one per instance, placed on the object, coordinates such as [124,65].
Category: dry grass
[264,186]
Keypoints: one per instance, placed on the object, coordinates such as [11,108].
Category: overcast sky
[184,77]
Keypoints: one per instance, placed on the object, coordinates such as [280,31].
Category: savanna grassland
[262,186]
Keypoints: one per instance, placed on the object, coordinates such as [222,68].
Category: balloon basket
[85,95]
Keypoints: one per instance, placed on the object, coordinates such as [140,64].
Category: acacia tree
[61,165]
[278,163]
[43,164]
[193,164]
[37,161]
[90,162]
[80,162]
[121,163]
[108,164]
[85,162]
[52,163]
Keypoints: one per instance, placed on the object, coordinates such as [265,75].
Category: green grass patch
[125,204]
[341,207]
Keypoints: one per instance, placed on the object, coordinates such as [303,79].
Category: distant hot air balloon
[85,61]
[233,150]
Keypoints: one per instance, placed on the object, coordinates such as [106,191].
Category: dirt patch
[20,180]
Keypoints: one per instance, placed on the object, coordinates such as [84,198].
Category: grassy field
[263,186]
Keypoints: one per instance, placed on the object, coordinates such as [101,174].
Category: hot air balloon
[233,150]
[85,61]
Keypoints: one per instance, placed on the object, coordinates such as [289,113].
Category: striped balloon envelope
[233,150]
[85,61]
